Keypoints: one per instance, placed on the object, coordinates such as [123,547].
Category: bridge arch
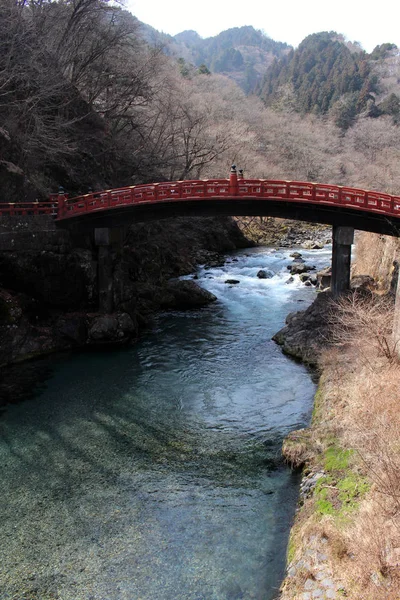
[305,201]
[344,208]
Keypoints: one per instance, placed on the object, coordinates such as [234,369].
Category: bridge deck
[324,203]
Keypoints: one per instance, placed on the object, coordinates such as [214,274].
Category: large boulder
[296,268]
[183,294]
[363,282]
[306,332]
[324,278]
[313,245]
[73,327]
[114,328]
[19,338]
[263,274]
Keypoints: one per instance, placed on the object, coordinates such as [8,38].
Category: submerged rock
[232,281]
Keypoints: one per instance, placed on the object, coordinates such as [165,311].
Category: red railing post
[61,197]
[233,181]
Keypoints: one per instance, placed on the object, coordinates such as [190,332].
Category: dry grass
[361,324]
[298,448]
[357,412]
[364,386]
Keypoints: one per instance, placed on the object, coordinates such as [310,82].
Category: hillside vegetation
[87,102]
[325,75]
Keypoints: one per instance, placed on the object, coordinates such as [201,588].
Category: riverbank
[285,233]
[345,541]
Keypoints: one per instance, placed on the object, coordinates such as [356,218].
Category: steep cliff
[377,256]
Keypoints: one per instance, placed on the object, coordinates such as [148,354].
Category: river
[154,472]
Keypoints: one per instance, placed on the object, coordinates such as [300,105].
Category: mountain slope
[326,74]
[242,53]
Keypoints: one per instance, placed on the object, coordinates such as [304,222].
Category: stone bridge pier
[108,241]
[342,240]
[396,321]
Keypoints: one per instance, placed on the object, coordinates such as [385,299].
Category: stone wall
[27,223]
[46,263]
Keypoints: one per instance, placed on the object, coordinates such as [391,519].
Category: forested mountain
[325,74]
[241,53]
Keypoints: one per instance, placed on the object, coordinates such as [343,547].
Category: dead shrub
[361,391]
[364,322]
[372,426]
[374,542]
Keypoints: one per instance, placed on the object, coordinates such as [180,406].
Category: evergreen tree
[321,71]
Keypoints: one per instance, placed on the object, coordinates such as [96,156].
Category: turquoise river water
[154,472]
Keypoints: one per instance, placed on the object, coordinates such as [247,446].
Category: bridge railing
[289,191]
[15,209]
[157,192]
[63,207]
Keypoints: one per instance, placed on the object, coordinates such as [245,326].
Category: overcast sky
[365,21]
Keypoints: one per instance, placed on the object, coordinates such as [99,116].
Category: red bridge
[344,208]
[314,202]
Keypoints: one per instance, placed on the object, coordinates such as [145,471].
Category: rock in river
[262,274]
[182,294]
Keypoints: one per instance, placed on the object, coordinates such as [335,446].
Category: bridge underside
[299,211]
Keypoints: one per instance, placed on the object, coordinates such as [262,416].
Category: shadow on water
[69,475]
[24,381]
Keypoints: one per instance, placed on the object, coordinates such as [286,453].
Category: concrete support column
[342,239]
[102,239]
[396,320]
